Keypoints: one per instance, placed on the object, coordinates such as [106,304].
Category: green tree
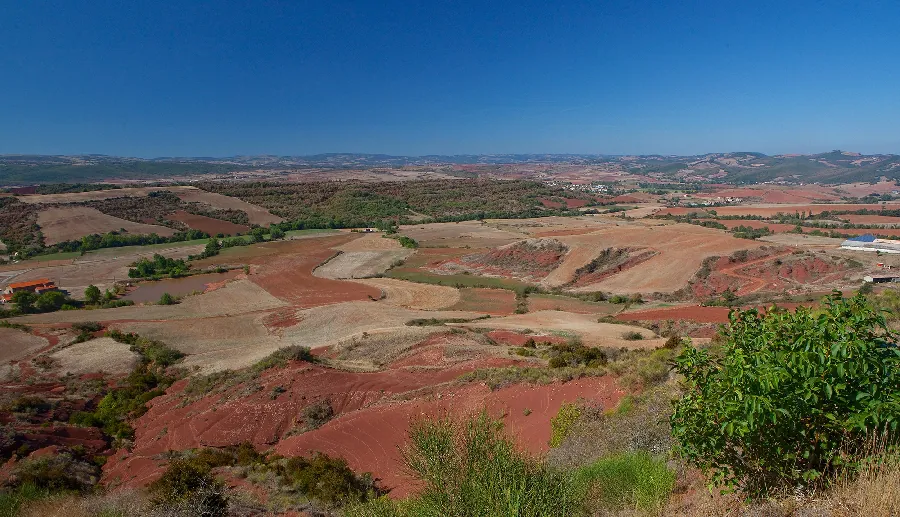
[258,234]
[24,301]
[92,294]
[275,233]
[791,391]
[212,248]
[50,301]
[166,299]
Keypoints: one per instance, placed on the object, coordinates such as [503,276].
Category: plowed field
[74,222]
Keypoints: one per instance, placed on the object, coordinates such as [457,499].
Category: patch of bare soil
[529,260]
[413,295]
[584,326]
[16,344]
[74,222]
[97,355]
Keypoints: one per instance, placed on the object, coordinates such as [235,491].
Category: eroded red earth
[372,413]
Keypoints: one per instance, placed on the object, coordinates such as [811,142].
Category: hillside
[731,167]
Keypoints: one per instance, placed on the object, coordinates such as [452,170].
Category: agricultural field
[518,317]
[74,222]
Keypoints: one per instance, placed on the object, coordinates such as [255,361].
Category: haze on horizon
[229,78]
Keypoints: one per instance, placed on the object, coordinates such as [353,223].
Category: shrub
[632,335]
[793,397]
[87,326]
[327,480]
[92,294]
[628,481]
[166,299]
[55,472]
[673,342]
[317,414]
[562,423]
[190,483]
[576,354]
[470,468]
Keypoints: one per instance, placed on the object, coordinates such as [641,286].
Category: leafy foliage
[191,482]
[793,397]
[562,423]
[471,469]
[146,381]
[158,266]
[630,480]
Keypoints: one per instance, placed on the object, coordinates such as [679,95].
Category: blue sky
[220,77]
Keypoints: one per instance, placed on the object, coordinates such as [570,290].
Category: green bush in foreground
[471,469]
[630,480]
[793,398]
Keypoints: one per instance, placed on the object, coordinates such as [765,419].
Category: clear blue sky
[220,77]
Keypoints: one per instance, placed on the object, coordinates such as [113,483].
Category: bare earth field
[871,219]
[17,344]
[97,355]
[77,197]
[256,214]
[458,235]
[364,257]
[207,224]
[74,222]
[680,250]
[415,296]
[584,326]
[377,372]
[768,210]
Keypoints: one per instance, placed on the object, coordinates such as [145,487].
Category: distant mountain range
[736,167]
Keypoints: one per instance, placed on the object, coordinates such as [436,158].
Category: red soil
[695,313]
[286,273]
[519,260]
[774,227]
[636,197]
[281,319]
[208,224]
[870,219]
[372,413]
[496,302]
[542,303]
[569,203]
[371,438]
[772,210]
[217,421]
[634,258]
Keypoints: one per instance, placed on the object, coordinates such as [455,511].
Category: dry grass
[459,235]
[415,296]
[567,324]
[681,249]
[74,222]
[360,264]
[16,344]
[237,297]
[256,214]
[97,355]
